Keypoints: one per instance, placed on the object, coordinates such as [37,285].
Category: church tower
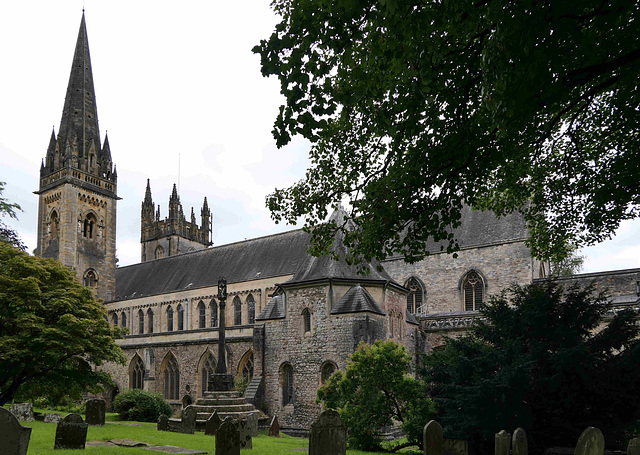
[173,235]
[78,191]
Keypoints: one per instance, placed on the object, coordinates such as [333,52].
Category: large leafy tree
[377,390]
[9,209]
[416,108]
[551,361]
[52,331]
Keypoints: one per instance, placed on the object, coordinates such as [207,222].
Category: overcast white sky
[171,78]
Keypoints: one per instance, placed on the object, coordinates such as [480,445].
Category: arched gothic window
[170,319]
[214,313]
[208,368]
[159,253]
[150,320]
[287,384]
[246,366]
[89,226]
[123,319]
[137,374]
[90,278]
[140,322]
[251,309]
[414,297]
[473,291]
[180,317]
[172,380]
[237,311]
[114,319]
[306,320]
[54,221]
[202,315]
[327,370]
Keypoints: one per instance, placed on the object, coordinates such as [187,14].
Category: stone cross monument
[221,380]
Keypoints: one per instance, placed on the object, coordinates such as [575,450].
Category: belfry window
[473,291]
[414,297]
[237,311]
[89,226]
[159,253]
[90,278]
[54,223]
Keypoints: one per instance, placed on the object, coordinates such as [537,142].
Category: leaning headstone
[503,443]
[252,424]
[328,435]
[590,442]
[52,418]
[634,447]
[163,423]
[22,411]
[14,437]
[189,415]
[274,428]
[212,425]
[432,440]
[71,433]
[245,436]
[228,438]
[95,413]
[519,442]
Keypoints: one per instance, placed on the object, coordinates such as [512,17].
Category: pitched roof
[273,310]
[356,300]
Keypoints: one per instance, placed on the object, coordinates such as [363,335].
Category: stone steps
[227,404]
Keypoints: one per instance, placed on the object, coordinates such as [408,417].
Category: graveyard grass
[43,434]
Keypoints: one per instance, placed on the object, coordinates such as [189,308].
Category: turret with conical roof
[174,234]
[78,185]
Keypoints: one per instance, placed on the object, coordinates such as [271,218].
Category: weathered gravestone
[22,411]
[212,425]
[432,440]
[96,409]
[245,436]
[52,418]
[71,433]
[13,436]
[519,444]
[189,416]
[274,428]
[328,435]
[503,443]
[634,447]
[252,424]
[163,423]
[455,446]
[590,442]
[228,438]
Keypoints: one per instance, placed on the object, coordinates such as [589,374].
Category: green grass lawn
[43,435]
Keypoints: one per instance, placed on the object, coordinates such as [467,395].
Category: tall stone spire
[80,113]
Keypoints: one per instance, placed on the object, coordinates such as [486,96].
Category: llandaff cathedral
[292,319]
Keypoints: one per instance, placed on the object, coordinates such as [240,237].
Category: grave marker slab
[328,435]
[252,424]
[503,443]
[189,415]
[245,437]
[163,423]
[274,428]
[519,444]
[432,440]
[95,413]
[634,447]
[590,442]
[212,425]
[14,437]
[228,438]
[71,433]
[52,418]
[22,411]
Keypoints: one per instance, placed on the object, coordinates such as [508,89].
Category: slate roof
[483,228]
[356,300]
[411,319]
[273,310]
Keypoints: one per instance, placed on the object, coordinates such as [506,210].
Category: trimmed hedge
[141,406]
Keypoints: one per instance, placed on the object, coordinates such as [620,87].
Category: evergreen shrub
[141,406]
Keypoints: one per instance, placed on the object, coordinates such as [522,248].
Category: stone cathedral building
[292,319]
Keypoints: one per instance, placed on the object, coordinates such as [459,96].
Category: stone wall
[499,265]
[618,283]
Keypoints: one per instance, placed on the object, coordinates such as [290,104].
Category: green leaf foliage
[550,360]
[416,108]
[377,390]
[141,406]
[52,331]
